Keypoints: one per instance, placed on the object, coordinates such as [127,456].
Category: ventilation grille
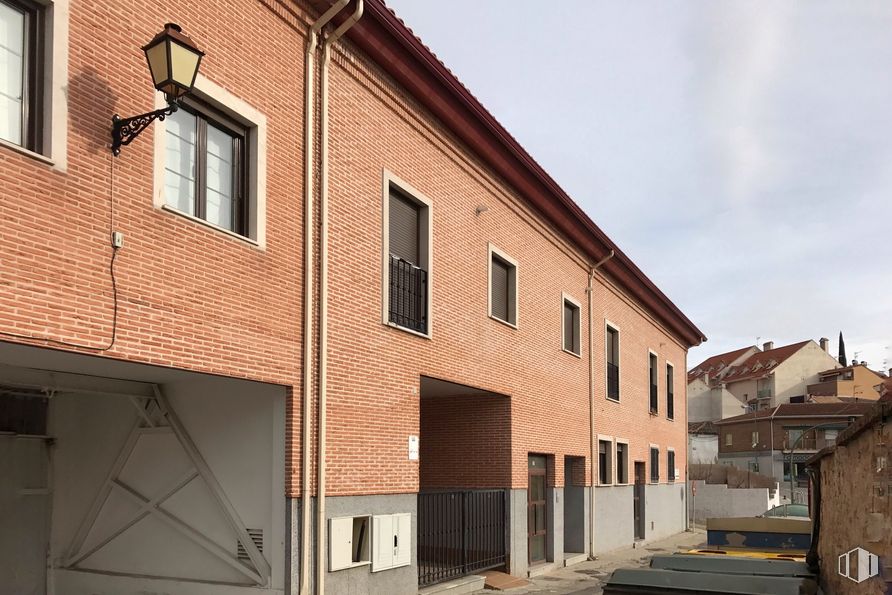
[256,536]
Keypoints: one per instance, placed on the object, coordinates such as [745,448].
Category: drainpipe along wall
[593,442]
[323,292]
[309,155]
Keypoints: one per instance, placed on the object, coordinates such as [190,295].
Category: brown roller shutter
[500,301]
[404,223]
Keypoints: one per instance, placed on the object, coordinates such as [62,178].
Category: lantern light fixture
[173,61]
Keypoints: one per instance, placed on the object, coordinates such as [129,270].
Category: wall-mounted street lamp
[173,61]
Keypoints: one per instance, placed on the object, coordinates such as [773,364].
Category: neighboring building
[752,379]
[851,486]
[856,380]
[760,441]
[703,443]
[174,410]
[707,399]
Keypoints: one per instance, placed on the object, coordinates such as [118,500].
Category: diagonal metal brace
[124,130]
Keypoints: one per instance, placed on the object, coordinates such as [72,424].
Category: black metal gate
[460,533]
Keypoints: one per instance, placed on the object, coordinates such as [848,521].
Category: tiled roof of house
[716,363]
[762,363]
[787,410]
[837,371]
[702,427]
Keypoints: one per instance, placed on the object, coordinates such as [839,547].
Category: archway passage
[465,473]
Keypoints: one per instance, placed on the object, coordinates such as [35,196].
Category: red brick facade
[193,298]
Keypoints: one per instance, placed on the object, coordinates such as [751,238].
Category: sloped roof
[717,362]
[793,410]
[762,363]
[838,371]
[702,427]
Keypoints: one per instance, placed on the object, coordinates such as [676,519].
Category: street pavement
[588,578]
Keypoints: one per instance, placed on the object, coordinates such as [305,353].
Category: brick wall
[467,441]
[189,297]
[376,368]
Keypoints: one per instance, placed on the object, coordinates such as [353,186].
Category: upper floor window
[407,266]
[21,73]
[570,329]
[612,347]
[502,286]
[654,400]
[670,391]
[654,464]
[205,167]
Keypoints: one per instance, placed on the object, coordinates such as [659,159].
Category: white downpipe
[309,154]
[593,442]
[323,292]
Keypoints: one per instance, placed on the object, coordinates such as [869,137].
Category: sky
[739,152]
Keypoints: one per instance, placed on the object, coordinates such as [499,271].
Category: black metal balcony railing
[408,295]
[653,398]
[612,381]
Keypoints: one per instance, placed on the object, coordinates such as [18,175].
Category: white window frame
[668,365]
[625,442]
[611,479]
[651,352]
[619,359]
[494,250]
[671,478]
[729,440]
[54,109]
[388,180]
[216,96]
[566,297]
[650,475]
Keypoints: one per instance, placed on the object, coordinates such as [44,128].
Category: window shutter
[499,282]
[569,327]
[404,222]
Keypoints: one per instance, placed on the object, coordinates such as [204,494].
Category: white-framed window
[611,354]
[502,287]
[571,325]
[34,79]
[654,463]
[755,439]
[653,389]
[407,256]
[605,461]
[728,439]
[622,461]
[670,464]
[670,391]
[210,162]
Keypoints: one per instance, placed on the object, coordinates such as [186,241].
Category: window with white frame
[210,162]
[670,391]
[670,464]
[605,460]
[21,72]
[612,357]
[571,325]
[502,286]
[407,256]
[622,462]
[652,375]
[654,464]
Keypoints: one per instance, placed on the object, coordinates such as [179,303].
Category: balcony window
[612,347]
[407,231]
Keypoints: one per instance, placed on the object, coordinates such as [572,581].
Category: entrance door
[638,496]
[537,523]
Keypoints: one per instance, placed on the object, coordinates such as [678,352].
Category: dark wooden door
[638,495]
[537,523]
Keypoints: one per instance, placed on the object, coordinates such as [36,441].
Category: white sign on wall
[413,448]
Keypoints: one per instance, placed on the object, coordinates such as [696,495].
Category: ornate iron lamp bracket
[124,130]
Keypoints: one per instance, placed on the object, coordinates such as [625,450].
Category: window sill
[27,152]
[612,400]
[573,353]
[354,565]
[605,485]
[654,413]
[505,322]
[407,330]
[210,225]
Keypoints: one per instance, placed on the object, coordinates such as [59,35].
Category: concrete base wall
[518,552]
[719,501]
[665,510]
[577,511]
[614,517]
[359,580]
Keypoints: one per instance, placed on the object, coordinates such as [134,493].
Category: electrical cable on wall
[114,283]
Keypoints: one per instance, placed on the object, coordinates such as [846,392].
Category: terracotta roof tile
[762,363]
[804,410]
[715,363]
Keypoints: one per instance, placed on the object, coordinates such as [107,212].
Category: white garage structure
[121,478]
